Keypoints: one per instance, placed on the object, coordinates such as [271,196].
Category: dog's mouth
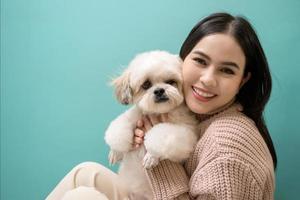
[161,99]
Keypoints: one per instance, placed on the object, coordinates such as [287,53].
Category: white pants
[89,181]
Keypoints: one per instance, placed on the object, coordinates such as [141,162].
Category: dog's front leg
[169,141]
[119,134]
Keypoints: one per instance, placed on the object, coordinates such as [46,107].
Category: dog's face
[152,81]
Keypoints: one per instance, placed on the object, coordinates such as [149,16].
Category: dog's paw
[114,157]
[150,161]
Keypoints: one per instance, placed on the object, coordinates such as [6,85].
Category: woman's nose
[208,77]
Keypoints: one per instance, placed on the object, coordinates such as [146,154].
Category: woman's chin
[197,108]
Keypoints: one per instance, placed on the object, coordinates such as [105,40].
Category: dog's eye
[171,82]
[146,85]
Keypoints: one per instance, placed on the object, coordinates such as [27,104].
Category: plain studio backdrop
[57,57]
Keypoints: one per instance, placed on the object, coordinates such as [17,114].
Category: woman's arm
[225,178]
[221,179]
[168,180]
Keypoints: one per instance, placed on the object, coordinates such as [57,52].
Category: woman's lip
[200,97]
[202,90]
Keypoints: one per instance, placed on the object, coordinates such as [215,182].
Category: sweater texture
[231,161]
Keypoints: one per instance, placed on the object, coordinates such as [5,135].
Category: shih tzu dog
[153,84]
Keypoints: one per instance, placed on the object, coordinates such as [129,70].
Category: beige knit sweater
[230,161]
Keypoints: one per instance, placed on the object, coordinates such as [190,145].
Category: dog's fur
[173,140]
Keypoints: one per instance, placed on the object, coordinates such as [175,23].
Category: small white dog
[153,84]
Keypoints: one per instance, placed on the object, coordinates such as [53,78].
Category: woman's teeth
[204,94]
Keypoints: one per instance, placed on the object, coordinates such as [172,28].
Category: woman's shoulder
[233,136]
[233,121]
[236,135]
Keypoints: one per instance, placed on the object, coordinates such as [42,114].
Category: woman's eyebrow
[233,64]
[202,54]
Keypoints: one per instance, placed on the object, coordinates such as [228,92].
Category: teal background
[58,55]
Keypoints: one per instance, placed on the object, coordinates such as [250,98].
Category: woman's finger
[138,140]
[139,133]
[139,123]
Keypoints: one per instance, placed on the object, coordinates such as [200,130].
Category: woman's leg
[90,174]
[84,193]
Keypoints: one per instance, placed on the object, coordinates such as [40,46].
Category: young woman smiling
[227,83]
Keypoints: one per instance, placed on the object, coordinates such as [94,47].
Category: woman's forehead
[221,48]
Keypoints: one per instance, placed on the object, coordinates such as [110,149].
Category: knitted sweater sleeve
[225,178]
[168,181]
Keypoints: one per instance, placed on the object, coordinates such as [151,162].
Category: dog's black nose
[159,92]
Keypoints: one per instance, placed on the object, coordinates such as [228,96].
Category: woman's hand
[145,124]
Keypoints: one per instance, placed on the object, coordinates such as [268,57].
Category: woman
[227,83]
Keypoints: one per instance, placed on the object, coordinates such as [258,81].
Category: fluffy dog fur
[153,84]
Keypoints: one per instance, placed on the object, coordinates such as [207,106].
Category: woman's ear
[122,88]
[245,79]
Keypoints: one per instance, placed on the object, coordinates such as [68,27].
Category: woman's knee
[87,164]
[98,177]
[85,173]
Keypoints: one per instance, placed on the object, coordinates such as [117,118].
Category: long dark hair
[256,92]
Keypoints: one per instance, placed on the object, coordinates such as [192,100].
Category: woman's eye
[146,85]
[227,71]
[200,61]
[171,82]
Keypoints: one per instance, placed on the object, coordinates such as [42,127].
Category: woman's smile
[202,95]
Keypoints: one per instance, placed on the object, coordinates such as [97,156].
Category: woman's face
[213,73]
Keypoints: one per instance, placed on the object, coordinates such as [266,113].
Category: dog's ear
[122,88]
